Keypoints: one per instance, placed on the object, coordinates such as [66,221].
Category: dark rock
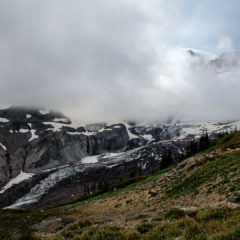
[118,205]
[233,199]
[137,142]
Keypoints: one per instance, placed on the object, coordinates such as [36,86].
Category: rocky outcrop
[189,165]
[47,225]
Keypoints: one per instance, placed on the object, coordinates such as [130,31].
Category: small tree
[192,148]
[166,159]
[204,142]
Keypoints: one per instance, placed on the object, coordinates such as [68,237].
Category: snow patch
[28,116]
[34,135]
[22,176]
[109,155]
[130,135]
[90,159]
[197,129]
[4,120]
[56,126]
[59,120]
[44,111]
[82,133]
[148,137]
[74,133]
[23,130]
[4,147]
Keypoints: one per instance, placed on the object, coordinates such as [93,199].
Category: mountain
[198,198]
[46,160]
[225,62]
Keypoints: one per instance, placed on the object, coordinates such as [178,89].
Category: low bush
[144,227]
[104,233]
[83,224]
[174,213]
[28,235]
[213,214]
[231,235]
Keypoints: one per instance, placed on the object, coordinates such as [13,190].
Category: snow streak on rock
[20,178]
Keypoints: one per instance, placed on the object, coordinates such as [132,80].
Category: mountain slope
[204,188]
[46,160]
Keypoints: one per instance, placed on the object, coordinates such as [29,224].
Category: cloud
[108,60]
[225,44]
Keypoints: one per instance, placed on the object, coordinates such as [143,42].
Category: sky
[119,60]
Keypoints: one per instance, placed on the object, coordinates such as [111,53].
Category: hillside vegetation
[197,199]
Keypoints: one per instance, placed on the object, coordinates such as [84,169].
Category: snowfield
[19,178]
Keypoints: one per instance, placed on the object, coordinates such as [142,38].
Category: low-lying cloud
[114,60]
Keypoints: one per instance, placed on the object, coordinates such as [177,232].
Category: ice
[40,189]
[22,176]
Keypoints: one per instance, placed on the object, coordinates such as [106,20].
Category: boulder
[48,225]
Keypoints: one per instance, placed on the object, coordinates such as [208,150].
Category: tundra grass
[224,167]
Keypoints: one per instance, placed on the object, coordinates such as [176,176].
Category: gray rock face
[33,141]
[4,168]
[54,150]
[111,139]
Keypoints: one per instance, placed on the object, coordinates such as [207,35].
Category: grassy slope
[208,224]
[116,189]
[225,168]
[215,224]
